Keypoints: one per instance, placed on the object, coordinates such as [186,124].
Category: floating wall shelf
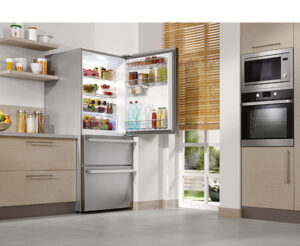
[28,44]
[28,75]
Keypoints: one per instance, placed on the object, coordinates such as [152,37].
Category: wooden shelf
[28,75]
[28,44]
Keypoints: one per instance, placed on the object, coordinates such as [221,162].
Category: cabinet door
[257,37]
[297,112]
[267,177]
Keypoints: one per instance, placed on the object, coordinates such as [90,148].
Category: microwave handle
[265,45]
[267,102]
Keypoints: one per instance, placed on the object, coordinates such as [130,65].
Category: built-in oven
[268,118]
[268,70]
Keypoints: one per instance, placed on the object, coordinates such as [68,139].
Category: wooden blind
[198,73]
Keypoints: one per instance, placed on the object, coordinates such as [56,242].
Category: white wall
[117,38]
[28,93]
[230,151]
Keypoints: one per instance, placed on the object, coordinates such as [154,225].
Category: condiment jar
[32,33]
[40,121]
[31,124]
[9,64]
[43,61]
[16,31]
[21,115]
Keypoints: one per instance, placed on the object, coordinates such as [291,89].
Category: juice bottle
[154,117]
[164,118]
[130,116]
[151,77]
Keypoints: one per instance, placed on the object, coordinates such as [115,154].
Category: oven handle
[267,102]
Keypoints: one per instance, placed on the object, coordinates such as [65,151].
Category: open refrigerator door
[103,94]
[151,93]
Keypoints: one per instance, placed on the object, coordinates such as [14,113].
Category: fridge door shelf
[101,132]
[146,125]
[145,66]
[145,85]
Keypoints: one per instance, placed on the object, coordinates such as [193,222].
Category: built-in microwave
[268,118]
[263,71]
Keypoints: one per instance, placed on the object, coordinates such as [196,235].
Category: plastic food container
[32,33]
[45,38]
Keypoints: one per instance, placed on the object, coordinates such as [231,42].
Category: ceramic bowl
[23,61]
[44,38]
[4,126]
[36,68]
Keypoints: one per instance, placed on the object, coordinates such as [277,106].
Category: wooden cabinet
[257,37]
[37,154]
[36,187]
[268,177]
[37,170]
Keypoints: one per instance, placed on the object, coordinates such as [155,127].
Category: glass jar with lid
[40,121]
[31,124]
[21,117]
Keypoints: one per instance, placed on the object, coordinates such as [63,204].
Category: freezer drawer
[107,188]
[101,151]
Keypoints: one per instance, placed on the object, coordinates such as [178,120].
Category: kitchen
[77,144]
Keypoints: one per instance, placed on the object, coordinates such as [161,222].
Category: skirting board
[280,215]
[25,211]
[230,212]
[155,204]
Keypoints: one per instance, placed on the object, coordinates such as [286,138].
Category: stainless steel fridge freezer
[64,109]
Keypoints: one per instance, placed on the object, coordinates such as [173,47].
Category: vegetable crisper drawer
[101,151]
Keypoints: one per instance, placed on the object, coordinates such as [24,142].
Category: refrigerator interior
[100,90]
[151,92]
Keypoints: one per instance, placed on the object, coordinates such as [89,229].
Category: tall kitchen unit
[106,100]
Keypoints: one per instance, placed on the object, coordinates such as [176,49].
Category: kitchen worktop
[44,135]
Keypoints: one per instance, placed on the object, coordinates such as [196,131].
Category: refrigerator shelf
[100,114]
[101,132]
[96,78]
[84,94]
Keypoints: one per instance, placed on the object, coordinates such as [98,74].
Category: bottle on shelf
[154,117]
[158,122]
[164,117]
[143,118]
[148,111]
[130,118]
[151,77]
[137,115]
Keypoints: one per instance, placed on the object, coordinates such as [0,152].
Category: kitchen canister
[32,33]
[16,31]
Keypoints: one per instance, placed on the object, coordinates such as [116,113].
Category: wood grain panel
[257,37]
[267,180]
[36,187]
[20,153]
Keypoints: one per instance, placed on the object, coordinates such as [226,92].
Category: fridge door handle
[109,140]
[93,171]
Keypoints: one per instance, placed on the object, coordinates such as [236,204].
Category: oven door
[264,70]
[268,123]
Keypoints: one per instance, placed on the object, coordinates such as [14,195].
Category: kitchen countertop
[44,135]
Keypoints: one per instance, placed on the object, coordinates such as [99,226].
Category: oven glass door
[272,121]
[268,69]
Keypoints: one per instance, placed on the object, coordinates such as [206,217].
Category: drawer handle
[109,171]
[109,140]
[40,142]
[40,176]
[288,177]
[265,45]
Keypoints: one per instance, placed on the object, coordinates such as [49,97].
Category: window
[201,167]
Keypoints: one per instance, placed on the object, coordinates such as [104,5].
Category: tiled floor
[149,227]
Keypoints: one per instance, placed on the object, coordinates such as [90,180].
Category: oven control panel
[267,95]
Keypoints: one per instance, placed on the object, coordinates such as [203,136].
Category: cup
[9,64]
